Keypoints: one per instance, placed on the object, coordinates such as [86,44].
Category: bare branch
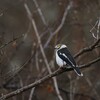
[37,34]
[97,28]
[40,13]
[90,63]
[31,94]
[67,9]
[90,48]
[11,41]
[38,82]
[41,48]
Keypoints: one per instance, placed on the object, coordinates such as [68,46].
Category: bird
[64,57]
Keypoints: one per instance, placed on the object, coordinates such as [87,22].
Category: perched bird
[64,57]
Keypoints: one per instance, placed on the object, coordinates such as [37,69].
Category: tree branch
[66,12]
[42,50]
[11,41]
[38,82]
[86,49]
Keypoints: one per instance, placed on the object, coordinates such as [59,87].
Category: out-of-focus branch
[37,35]
[11,41]
[89,63]
[40,13]
[38,82]
[41,48]
[97,28]
[90,48]
[19,69]
[77,94]
[67,9]
[31,94]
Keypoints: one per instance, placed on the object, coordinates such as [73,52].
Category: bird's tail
[76,69]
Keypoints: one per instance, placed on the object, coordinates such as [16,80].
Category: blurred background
[27,48]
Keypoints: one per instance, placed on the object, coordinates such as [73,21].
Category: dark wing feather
[68,58]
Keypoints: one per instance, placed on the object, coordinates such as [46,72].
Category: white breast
[59,61]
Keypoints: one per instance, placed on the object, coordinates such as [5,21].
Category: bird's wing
[66,56]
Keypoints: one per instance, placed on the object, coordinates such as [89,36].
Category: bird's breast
[59,61]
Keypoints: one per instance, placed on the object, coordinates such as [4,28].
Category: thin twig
[60,25]
[19,68]
[11,41]
[89,63]
[31,94]
[90,48]
[37,63]
[97,28]
[41,48]
[37,35]
[56,87]
[67,9]
[94,27]
[42,16]
[40,13]
[38,82]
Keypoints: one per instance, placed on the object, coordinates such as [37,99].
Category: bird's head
[60,46]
